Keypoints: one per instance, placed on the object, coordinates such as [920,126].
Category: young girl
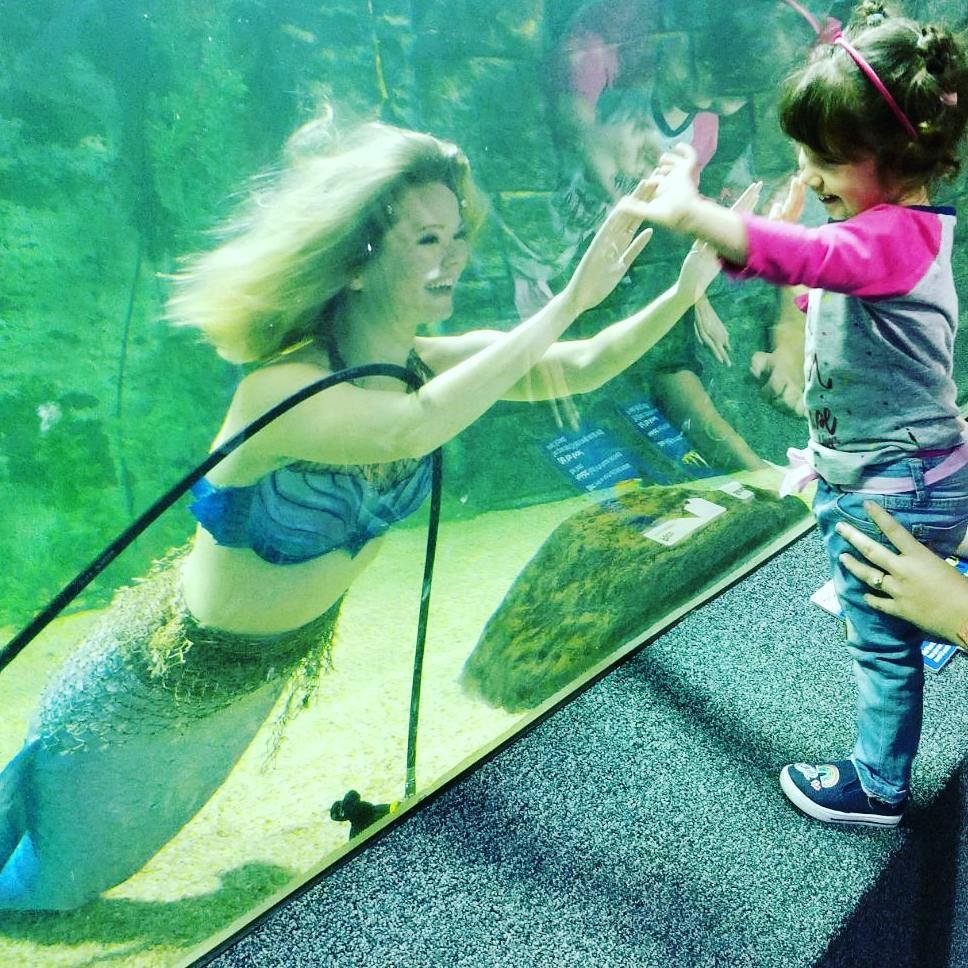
[877,115]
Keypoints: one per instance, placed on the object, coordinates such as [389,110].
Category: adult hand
[608,257]
[699,268]
[913,583]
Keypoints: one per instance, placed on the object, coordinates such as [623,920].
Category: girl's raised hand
[613,249]
[791,208]
[672,189]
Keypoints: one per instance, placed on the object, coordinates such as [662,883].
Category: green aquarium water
[171,777]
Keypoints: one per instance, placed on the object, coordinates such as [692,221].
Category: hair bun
[934,46]
[871,13]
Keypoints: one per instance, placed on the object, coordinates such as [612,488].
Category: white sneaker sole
[803,803]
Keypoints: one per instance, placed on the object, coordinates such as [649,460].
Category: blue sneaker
[832,792]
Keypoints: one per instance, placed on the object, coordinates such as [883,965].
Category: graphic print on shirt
[822,419]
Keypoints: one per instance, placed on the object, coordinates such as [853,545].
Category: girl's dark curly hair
[830,105]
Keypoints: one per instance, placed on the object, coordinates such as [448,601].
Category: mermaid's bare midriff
[235,590]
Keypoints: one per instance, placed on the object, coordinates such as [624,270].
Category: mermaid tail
[94,817]
[13,817]
[136,733]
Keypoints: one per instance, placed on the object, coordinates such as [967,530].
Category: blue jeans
[886,651]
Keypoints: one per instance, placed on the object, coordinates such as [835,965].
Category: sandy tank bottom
[269,822]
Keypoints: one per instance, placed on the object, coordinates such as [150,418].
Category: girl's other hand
[791,208]
[914,583]
[608,257]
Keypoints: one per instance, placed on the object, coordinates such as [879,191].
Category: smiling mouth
[441,287]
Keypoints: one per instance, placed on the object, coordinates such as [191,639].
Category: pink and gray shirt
[882,312]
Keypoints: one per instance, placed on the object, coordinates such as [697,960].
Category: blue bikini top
[304,510]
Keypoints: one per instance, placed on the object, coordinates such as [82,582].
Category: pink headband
[871,75]
[830,33]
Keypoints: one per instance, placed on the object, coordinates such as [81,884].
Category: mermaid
[334,261]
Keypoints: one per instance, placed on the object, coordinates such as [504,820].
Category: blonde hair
[305,231]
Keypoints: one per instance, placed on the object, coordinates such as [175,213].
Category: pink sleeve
[880,253]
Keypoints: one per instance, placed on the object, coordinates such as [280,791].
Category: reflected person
[334,262]
[631,78]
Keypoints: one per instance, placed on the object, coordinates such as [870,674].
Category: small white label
[826,598]
[673,530]
[735,489]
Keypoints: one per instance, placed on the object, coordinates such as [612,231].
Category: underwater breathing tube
[70,591]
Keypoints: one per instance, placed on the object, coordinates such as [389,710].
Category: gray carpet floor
[642,824]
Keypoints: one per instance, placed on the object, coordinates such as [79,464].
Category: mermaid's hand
[613,249]
[702,263]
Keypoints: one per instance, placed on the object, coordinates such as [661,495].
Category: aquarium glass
[169,777]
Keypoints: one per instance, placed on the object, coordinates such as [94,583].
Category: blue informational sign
[590,458]
[937,655]
[651,422]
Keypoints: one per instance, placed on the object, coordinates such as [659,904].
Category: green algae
[600,580]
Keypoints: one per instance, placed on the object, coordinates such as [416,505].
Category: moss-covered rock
[600,579]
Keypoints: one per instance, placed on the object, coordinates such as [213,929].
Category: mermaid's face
[420,258]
